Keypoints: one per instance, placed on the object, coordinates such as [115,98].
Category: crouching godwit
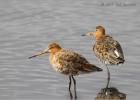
[107,49]
[68,62]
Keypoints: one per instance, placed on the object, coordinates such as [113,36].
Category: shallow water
[27,26]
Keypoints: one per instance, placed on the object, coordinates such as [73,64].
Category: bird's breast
[54,61]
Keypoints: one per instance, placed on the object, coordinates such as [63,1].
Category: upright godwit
[107,49]
[68,62]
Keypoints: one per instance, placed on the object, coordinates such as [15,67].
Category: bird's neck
[99,37]
[53,56]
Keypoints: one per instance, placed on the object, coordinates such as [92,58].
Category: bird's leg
[70,87]
[74,81]
[108,78]
[69,83]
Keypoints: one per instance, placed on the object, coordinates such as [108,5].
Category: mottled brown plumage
[71,63]
[106,48]
[68,62]
[108,51]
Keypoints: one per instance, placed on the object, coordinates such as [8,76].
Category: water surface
[27,26]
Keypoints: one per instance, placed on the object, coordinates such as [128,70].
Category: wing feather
[74,63]
[109,50]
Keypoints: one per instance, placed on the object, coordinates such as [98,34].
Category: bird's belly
[63,67]
[57,66]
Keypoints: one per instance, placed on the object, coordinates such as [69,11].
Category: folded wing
[75,63]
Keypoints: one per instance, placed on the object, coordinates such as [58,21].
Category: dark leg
[108,78]
[70,87]
[69,83]
[74,81]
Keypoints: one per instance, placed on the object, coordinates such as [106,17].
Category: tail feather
[98,69]
[92,68]
[117,61]
[121,60]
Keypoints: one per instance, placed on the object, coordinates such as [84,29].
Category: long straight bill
[88,34]
[39,53]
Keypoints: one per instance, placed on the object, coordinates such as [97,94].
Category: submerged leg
[70,87]
[74,81]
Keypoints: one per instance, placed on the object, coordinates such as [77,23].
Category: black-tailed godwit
[68,62]
[107,49]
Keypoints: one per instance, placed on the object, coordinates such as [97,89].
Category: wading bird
[107,49]
[68,62]
[110,93]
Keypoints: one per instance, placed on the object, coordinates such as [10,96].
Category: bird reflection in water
[110,93]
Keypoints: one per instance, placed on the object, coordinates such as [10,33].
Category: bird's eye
[50,47]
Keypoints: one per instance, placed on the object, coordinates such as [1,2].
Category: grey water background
[27,26]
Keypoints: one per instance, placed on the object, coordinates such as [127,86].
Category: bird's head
[99,33]
[52,48]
